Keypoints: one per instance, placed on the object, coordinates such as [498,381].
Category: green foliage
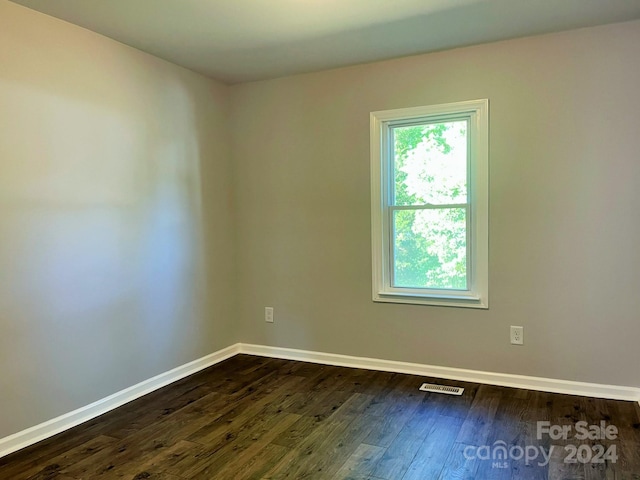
[429,244]
[407,139]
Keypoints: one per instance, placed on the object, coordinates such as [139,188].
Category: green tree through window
[429,218]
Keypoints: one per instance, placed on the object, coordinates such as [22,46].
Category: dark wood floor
[258,418]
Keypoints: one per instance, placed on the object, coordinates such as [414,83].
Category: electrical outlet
[268,314]
[517,335]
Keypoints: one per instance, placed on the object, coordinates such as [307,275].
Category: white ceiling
[243,40]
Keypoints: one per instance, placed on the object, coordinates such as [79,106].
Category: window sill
[441,300]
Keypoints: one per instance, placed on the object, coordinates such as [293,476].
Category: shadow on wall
[103,275]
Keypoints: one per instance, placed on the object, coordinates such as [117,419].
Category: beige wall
[564,222]
[115,224]
[121,254]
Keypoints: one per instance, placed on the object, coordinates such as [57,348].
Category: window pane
[430,163]
[430,248]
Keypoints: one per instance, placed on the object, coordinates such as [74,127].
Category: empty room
[319,239]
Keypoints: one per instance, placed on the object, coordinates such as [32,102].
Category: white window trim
[477,296]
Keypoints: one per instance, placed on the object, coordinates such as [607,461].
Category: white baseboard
[567,387]
[64,422]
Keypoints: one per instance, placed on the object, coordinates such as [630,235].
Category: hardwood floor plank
[301,462]
[269,419]
[300,430]
[458,466]
[394,408]
[256,467]
[141,446]
[624,415]
[401,452]
[361,463]
[560,469]
[257,430]
[431,456]
[457,406]
[479,421]
[238,413]
[82,453]
[538,410]
[335,440]
[249,448]
[508,432]
[173,460]
[152,476]
[17,463]
[319,405]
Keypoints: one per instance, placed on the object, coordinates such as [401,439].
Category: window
[430,204]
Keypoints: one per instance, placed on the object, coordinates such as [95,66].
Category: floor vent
[430,387]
